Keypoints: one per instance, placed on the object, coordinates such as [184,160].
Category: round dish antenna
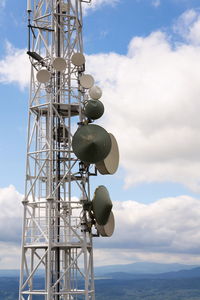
[43,76]
[110,164]
[86,81]
[95,92]
[101,205]
[78,59]
[91,143]
[108,229]
[94,109]
[59,64]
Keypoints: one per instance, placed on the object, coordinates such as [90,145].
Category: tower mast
[57,236]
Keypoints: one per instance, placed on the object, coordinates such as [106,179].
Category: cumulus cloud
[166,230]
[10,215]
[188,25]
[9,256]
[15,67]
[96,4]
[151,97]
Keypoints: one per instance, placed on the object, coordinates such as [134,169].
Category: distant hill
[15,273]
[142,268]
[9,273]
[193,273]
[177,285]
[128,269]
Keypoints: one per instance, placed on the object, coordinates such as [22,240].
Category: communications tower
[60,220]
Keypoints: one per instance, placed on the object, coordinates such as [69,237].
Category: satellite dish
[101,205]
[110,164]
[78,59]
[95,92]
[59,64]
[43,76]
[108,229]
[86,81]
[91,143]
[94,109]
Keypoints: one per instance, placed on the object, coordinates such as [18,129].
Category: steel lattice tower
[57,235]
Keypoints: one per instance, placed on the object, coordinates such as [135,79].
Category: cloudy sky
[145,55]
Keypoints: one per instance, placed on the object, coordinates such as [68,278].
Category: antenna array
[58,225]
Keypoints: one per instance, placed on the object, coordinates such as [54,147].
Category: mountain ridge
[143,268]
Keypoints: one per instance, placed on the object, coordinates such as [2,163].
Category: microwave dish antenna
[43,76]
[86,81]
[78,59]
[59,64]
[95,92]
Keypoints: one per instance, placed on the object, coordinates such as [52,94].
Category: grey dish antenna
[86,81]
[91,143]
[94,109]
[110,164]
[78,59]
[107,229]
[101,205]
[43,76]
[95,92]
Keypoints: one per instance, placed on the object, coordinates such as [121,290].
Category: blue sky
[145,55]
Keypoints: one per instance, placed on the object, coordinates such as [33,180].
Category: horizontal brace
[41,28]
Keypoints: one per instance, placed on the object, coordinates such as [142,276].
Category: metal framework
[57,234]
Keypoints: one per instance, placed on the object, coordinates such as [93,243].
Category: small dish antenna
[101,205]
[110,164]
[95,92]
[91,143]
[78,59]
[94,109]
[43,76]
[108,229]
[86,81]
[59,64]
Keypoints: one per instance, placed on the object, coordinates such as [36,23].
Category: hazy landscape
[148,283]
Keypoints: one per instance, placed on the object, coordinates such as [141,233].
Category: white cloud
[15,66]
[188,25]
[164,231]
[151,97]
[10,215]
[96,4]
[9,256]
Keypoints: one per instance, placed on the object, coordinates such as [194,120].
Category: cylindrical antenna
[28,5]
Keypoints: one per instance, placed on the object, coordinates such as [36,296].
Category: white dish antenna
[43,76]
[86,81]
[95,92]
[110,164]
[78,59]
[59,64]
[108,229]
